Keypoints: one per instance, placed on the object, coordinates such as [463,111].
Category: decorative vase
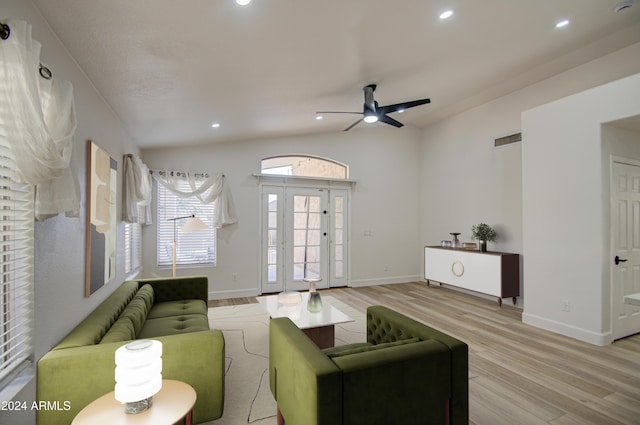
[314,304]
[455,243]
[483,246]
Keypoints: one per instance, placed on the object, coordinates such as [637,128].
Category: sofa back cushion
[121,330]
[91,330]
[147,294]
[336,352]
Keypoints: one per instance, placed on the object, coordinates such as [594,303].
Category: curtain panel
[206,188]
[138,191]
[37,120]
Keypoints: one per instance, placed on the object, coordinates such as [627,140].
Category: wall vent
[512,138]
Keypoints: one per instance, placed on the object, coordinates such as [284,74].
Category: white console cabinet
[491,273]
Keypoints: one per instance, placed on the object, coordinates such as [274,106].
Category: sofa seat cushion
[174,325]
[177,308]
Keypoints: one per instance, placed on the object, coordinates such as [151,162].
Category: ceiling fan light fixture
[370,118]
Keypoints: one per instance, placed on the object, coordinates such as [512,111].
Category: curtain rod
[181,173]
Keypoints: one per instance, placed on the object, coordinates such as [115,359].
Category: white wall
[565,181]
[466,180]
[60,242]
[382,159]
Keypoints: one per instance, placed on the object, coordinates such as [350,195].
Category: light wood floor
[519,374]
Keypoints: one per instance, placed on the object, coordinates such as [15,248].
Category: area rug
[248,399]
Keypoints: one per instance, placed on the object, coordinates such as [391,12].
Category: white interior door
[625,228]
[306,238]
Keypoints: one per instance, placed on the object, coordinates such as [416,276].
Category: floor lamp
[192,223]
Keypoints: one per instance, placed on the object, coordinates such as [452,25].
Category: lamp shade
[194,223]
[138,370]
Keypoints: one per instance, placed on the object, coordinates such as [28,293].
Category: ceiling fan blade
[338,112]
[354,124]
[402,106]
[388,120]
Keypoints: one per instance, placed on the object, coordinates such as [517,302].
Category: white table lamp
[138,374]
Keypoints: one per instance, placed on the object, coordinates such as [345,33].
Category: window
[16,280]
[193,248]
[132,247]
[304,165]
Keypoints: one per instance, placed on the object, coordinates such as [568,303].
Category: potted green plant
[483,233]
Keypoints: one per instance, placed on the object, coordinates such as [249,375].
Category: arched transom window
[304,166]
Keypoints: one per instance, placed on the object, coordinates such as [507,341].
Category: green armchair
[407,373]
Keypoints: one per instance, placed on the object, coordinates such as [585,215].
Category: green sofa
[406,373]
[174,311]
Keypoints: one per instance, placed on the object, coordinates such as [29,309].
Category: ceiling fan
[372,112]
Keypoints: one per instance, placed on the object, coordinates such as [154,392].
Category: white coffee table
[319,327]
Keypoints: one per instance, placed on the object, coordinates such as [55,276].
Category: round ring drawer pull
[457,268]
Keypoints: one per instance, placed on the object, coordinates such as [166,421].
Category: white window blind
[193,248]
[16,262]
[132,246]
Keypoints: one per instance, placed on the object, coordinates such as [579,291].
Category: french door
[304,236]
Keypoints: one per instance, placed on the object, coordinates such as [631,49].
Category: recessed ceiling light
[400,111]
[319,117]
[562,23]
[243,2]
[215,125]
[446,14]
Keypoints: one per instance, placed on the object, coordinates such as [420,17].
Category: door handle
[619,260]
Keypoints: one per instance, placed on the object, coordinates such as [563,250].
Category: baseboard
[253,292]
[239,293]
[357,283]
[565,329]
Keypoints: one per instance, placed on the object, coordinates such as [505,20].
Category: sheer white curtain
[138,191]
[37,120]
[206,188]
[58,194]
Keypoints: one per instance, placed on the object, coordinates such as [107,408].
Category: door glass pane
[314,204]
[339,253]
[339,267]
[299,255]
[313,237]
[313,221]
[338,237]
[300,220]
[299,237]
[273,220]
[272,238]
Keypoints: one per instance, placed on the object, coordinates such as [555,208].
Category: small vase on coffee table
[314,304]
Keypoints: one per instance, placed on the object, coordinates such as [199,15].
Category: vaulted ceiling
[170,69]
